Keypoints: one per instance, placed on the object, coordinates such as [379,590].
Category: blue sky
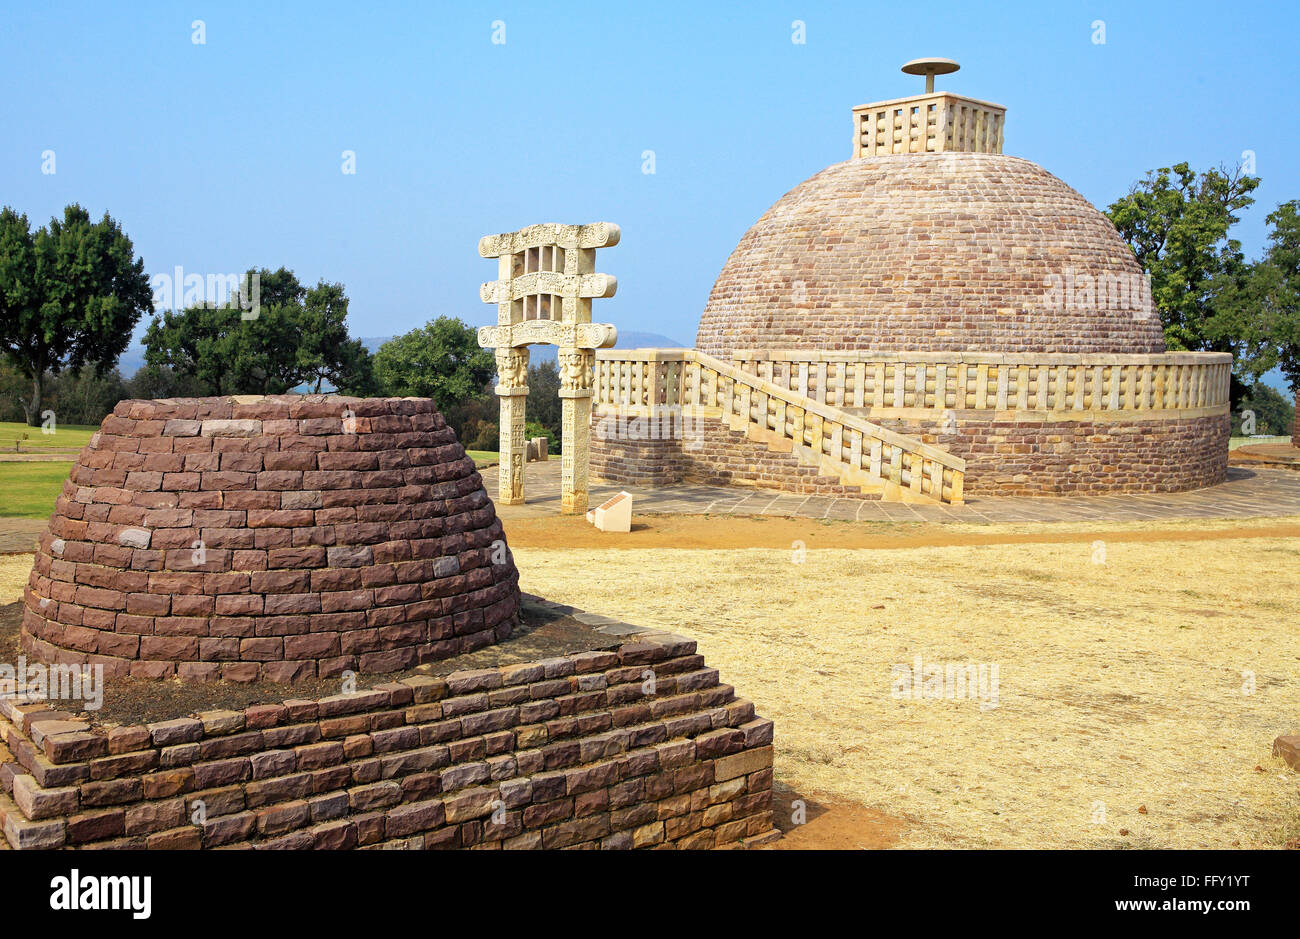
[228,154]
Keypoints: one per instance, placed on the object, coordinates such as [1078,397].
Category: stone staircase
[861,455]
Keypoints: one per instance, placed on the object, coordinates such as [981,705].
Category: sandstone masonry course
[570,752]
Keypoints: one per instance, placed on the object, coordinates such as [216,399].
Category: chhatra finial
[930,68]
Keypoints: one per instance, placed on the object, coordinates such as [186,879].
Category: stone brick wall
[928,252]
[274,538]
[1002,457]
[616,457]
[713,454]
[574,751]
[1083,457]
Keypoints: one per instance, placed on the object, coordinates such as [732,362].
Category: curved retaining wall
[273,538]
[1003,457]
[1048,458]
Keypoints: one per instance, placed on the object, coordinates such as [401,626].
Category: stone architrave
[546,282]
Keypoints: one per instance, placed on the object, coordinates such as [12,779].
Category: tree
[1279,285]
[70,294]
[1177,224]
[85,396]
[1256,307]
[1273,413]
[544,405]
[441,360]
[295,336]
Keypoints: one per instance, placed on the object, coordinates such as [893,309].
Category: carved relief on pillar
[512,368]
[576,369]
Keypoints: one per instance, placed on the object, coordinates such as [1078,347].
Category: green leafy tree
[70,294]
[1279,286]
[291,336]
[441,360]
[1273,412]
[84,396]
[162,381]
[1177,222]
[544,405]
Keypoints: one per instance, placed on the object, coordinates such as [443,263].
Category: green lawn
[1235,442]
[34,438]
[28,490]
[483,456]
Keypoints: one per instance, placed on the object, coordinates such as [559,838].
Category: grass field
[28,490]
[1235,442]
[1137,700]
[33,438]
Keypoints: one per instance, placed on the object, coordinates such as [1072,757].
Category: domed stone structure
[931,252]
[276,538]
[929,319]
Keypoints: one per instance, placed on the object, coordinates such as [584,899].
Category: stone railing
[937,122]
[647,381]
[1035,386]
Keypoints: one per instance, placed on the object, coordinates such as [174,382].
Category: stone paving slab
[19,535]
[1248,493]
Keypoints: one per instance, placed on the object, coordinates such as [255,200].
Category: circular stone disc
[930,67]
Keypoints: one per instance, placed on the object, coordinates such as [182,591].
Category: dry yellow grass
[14,569]
[1121,685]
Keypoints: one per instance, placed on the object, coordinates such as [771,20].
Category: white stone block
[615,514]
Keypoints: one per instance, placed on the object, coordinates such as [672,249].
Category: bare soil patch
[728,532]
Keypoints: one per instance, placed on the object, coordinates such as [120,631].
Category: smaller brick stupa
[279,538]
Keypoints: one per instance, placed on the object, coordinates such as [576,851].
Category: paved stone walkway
[19,535]
[1248,493]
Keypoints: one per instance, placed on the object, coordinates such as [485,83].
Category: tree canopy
[294,336]
[441,360]
[1177,223]
[70,295]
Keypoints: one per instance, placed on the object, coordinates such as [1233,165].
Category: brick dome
[279,538]
[930,252]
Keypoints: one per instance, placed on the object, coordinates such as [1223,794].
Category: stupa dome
[930,252]
[281,538]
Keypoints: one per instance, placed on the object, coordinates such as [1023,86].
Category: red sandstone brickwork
[1002,457]
[279,538]
[575,751]
[1083,457]
[924,252]
[709,453]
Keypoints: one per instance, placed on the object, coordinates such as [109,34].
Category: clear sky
[229,154]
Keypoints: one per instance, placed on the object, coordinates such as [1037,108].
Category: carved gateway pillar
[576,369]
[546,281]
[512,392]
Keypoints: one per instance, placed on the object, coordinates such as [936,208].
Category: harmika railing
[644,382]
